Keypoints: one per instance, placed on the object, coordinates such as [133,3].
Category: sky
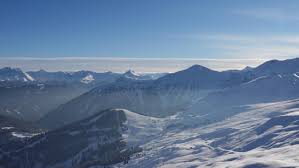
[149,29]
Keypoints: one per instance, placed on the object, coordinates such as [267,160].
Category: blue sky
[201,29]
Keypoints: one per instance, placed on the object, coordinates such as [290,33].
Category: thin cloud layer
[121,65]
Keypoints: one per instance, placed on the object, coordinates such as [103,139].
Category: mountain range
[178,91]
[195,117]
[30,95]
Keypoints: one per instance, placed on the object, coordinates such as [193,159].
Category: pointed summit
[131,74]
[197,68]
[196,76]
[247,68]
[42,70]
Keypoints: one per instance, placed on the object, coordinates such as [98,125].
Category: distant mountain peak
[273,61]
[130,74]
[198,68]
[87,79]
[247,68]
[41,70]
[10,69]
[14,74]
[279,67]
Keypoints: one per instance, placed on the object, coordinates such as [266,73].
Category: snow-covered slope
[263,135]
[108,137]
[140,128]
[277,67]
[234,100]
[87,79]
[14,74]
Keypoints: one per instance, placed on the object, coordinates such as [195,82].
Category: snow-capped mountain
[277,67]
[84,77]
[90,77]
[132,75]
[14,75]
[154,76]
[87,79]
[107,137]
[195,77]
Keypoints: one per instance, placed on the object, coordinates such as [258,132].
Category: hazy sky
[213,29]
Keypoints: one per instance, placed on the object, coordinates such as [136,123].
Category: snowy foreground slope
[264,135]
[108,137]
